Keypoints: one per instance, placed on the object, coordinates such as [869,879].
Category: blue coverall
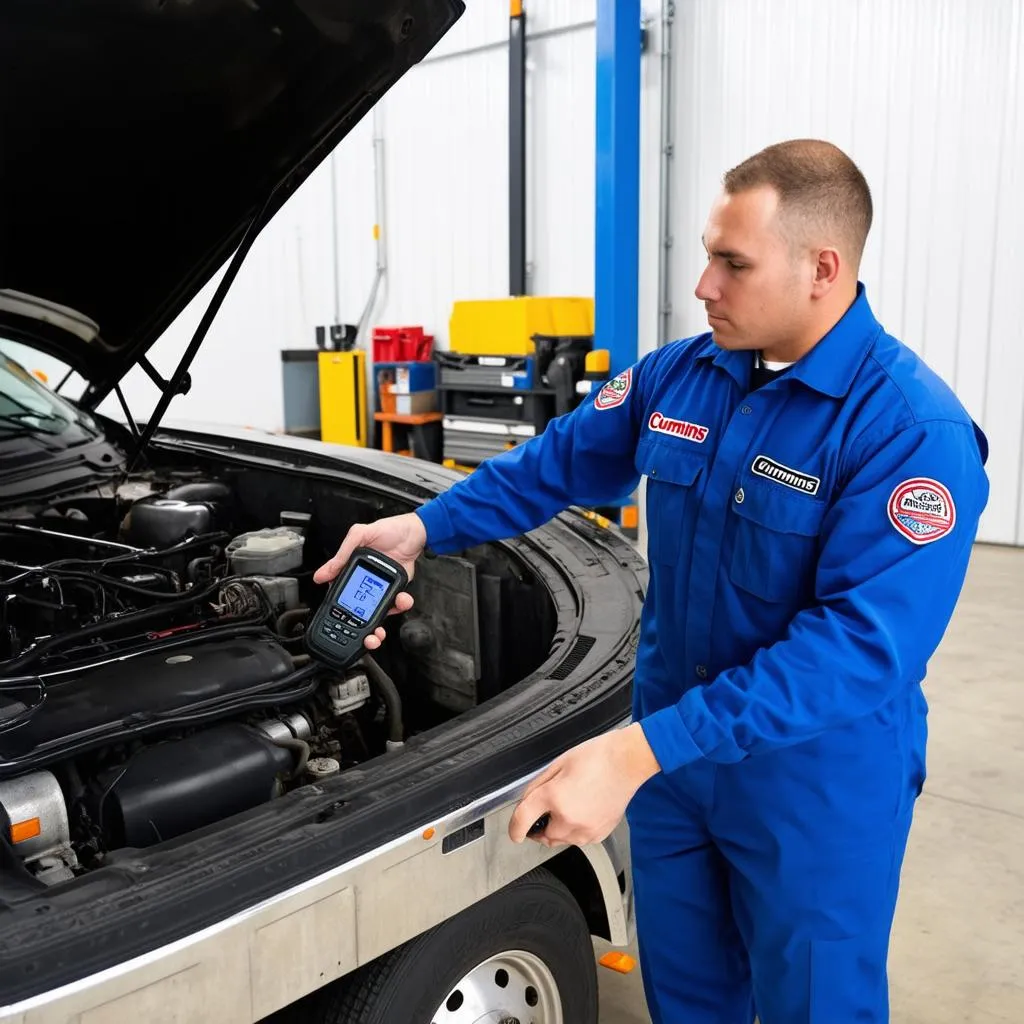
[807,542]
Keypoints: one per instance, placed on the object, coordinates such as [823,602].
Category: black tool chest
[489,404]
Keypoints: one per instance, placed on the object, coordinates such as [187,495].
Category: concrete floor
[958,941]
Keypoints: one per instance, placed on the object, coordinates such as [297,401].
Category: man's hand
[399,537]
[586,790]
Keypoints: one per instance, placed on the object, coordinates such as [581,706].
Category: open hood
[141,139]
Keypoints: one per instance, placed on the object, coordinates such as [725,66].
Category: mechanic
[813,493]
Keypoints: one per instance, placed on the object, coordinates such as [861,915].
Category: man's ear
[826,271]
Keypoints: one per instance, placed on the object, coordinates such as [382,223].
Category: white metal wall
[926,96]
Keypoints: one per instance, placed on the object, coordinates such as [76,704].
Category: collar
[829,367]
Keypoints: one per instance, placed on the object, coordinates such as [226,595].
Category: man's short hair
[821,191]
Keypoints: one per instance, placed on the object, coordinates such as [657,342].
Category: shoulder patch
[615,391]
[922,510]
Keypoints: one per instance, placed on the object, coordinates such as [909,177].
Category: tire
[522,955]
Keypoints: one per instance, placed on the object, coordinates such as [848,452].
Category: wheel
[521,956]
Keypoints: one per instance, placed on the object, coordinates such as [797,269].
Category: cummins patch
[772,470]
[922,510]
[615,391]
[695,432]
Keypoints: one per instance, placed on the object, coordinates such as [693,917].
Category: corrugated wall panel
[558,14]
[446,139]
[486,22]
[925,96]
[560,158]
[1005,351]
[481,24]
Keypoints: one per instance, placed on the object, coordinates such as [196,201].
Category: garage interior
[520,218]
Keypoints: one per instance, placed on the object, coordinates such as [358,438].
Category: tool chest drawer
[463,370]
[469,440]
[491,405]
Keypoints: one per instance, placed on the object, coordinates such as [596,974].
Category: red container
[386,344]
[402,345]
[418,349]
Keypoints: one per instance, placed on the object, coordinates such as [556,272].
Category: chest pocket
[776,542]
[672,485]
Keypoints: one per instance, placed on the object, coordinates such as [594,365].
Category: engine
[153,679]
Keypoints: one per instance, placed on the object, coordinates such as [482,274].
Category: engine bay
[153,675]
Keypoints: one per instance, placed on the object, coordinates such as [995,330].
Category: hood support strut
[172,387]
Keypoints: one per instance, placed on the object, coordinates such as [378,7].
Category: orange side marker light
[623,963]
[23,830]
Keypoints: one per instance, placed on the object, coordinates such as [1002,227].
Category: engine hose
[141,644]
[391,697]
[160,611]
[286,620]
[170,574]
[301,747]
[111,581]
[131,556]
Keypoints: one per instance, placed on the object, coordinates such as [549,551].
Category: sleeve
[894,553]
[585,457]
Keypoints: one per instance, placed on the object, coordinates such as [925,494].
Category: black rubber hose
[110,581]
[392,699]
[140,644]
[286,620]
[160,611]
[131,556]
[301,747]
[54,642]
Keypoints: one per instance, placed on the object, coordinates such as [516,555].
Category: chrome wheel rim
[514,987]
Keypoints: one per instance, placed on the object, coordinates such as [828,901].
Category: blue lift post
[617,181]
[617,195]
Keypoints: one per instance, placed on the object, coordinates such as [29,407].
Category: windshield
[28,406]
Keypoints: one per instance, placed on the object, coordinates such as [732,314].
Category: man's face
[756,286]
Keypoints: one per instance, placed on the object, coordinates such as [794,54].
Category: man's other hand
[585,792]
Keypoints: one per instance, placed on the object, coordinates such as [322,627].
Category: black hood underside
[140,137]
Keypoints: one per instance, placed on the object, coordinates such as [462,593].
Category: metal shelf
[495,389]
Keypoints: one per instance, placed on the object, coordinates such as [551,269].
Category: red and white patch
[922,510]
[678,428]
[615,391]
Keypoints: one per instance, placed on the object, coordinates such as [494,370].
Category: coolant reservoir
[265,552]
